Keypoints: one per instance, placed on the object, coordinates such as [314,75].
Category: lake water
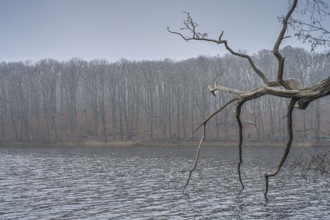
[146,183]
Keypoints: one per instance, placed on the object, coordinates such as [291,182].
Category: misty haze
[164,110]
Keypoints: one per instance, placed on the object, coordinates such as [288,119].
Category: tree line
[76,100]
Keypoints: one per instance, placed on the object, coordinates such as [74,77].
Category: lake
[146,183]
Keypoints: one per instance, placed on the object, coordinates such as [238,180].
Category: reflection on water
[146,183]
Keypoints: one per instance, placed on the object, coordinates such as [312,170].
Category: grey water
[146,183]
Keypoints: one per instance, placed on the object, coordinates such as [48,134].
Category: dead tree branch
[213,114]
[288,145]
[316,162]
[239,122]
[196,159]
[288,88]
[190,25]
[279,40]
[312,31]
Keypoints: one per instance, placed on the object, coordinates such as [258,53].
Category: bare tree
[300,97]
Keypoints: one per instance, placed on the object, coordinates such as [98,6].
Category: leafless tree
[300,97]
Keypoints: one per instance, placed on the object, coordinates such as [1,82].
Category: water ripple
[146,183]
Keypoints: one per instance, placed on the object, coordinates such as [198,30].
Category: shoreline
[174,143]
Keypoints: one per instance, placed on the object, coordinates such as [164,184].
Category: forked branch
[315,30]
[190,25]
[300,97]
[279,40]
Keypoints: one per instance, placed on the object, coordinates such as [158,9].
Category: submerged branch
[239,122]
[316,162]
[288,146]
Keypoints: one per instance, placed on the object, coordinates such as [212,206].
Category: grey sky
[132,29]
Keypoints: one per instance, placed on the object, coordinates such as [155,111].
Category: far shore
[173,143]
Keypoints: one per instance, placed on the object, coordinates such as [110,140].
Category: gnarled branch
[240,127]
[279,40]
[300,97]
[288,146]
[190,25]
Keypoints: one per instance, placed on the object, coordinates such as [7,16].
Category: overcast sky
[132,29]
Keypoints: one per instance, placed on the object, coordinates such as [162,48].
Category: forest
[163,100]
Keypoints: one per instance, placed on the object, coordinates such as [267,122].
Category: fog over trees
[52,102]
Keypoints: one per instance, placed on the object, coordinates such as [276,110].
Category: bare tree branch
[318,163]
[196,160]
[289,88]
[213,114]
[239,122]
[279,40]
[190,25]
[312,32]
[288,146]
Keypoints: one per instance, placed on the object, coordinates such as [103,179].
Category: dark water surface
[146,183]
